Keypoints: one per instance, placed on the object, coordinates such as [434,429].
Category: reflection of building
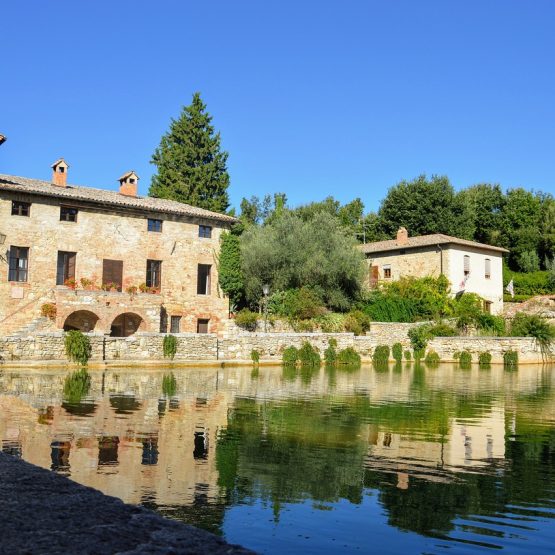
[112,262]
[470,266]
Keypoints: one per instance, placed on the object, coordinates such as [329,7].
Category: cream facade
[469,266]
[110,262]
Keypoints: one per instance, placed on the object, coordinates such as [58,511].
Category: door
[112,273]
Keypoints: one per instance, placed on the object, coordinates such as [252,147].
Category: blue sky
[312,98]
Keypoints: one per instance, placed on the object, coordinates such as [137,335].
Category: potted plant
[71,283]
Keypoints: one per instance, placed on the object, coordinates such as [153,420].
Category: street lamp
[266,291]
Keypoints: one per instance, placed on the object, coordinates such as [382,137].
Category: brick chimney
[59,173]
[402,236]
[128,184]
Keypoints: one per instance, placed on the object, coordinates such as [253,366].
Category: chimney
[402,236]
[59,173]
[128,184]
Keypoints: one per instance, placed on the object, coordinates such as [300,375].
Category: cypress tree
[191,166]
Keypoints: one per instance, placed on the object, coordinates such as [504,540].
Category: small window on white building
[488,269]
[387,271]
[466,265]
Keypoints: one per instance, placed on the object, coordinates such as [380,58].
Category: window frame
[153,267]
[15,271]
[22,205]
[66,266]
[387,271]
[208,283]
[152,223]
[203,321]
[466,265]
[69,218]
[487,268]
[205,231]
[175,319]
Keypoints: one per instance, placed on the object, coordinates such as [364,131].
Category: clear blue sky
[312,98]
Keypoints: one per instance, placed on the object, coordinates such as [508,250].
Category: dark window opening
[466,265]
[19,264]
[61,169]
[66,267]
[205,231]
[203,279]
[21,208]
[202,325]
[488,269]
[201,446]
[68,214]
[387,272]
[154,225]
[112,274]
[175,325]
[153,273]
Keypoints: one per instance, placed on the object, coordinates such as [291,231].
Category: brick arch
[83,320]
[126,323]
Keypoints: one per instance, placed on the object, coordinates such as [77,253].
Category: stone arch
[126,324]
[82,320]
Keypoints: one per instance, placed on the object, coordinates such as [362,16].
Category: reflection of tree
[124,404]
[76,387]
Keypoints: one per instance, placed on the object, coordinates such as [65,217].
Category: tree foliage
[230,273]
[191,167]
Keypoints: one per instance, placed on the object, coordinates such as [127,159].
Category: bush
[255,356]
[419,337]
[536,326]
[78,347]
[308,355]
[348,357]
[330,354]
[331,322]
[531,284]
[442,330]
[510,359]
[357,322]
[408,355]
[467,310]
[397,352]
[484,360]
[381,353]
[246,319]
[495,325]
[465,360]
[169,346]
[432,359]
[169,385]
[290,356]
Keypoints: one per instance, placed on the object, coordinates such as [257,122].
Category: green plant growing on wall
[77,386]
[290,356]
[169,346]
[536,326]
[308,355]
[510,360]
[432,359]
[484,360]
[169,385]
[78,347]
[419,337]
[255,357]
[330,354]
[407,355]
[465,360]
[381,354]
[246,319]
[349,357]
[397,352]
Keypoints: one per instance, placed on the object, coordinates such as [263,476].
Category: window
[205,231]
[202,325]
[66,267]
[154,225]
[466,265]
[387,271]
[20,208]
[487,307]
[68,214]
[175,325]
[154,273]
[488,269]
[112,273]
[19,264]
[203,279]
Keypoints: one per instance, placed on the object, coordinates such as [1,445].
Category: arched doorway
[82,320]
[125,324]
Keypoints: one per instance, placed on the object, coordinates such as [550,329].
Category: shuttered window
[19,264]
[466,265]
[488,269]
[66,267]
[202,325]
[154,273]
[112,273]
[175,325]
[203,279]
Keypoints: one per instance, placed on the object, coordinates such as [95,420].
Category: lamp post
[266,291]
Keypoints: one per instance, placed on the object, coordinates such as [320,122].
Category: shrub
[169,346]
[169,385]
[348,357]
[397,352]
[442,330]
[303,325]
[484,360]
[381,354]
[308,355]
[331,322]
[330,354]
[48,310]
[419,337]
[510,359]
[432,359]
[536,326]
[456,355]
[357,322]
[246,319]
[531,284]
[255,356]
[408,355]
[467,310]
[76,386]
[290,356]
[465,360]
[495,325]
[78,347]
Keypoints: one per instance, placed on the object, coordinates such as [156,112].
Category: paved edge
[43,512]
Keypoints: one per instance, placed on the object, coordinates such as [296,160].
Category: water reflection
[452,457]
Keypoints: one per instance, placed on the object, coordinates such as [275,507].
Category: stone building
[106,261]
[469,266]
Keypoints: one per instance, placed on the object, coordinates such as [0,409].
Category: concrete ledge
[43,512]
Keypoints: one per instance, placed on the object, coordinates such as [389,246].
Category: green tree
[230,274]
[425,206]
[191,166]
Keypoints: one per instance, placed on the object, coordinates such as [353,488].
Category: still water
[401,460]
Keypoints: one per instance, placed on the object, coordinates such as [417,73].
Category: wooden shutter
[112,272]
[202,326]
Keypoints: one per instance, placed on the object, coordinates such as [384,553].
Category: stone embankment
[237,346]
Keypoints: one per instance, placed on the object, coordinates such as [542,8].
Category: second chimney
[128,184]
[402,236]
[59,173]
